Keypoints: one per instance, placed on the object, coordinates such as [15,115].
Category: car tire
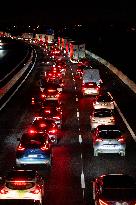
[95,153]
[122,154]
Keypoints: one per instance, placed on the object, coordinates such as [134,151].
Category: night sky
[48,12]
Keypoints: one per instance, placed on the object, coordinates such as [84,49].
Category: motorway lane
[64,183]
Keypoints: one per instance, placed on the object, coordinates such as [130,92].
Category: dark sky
[48,12]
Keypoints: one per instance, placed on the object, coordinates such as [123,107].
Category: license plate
[32,155]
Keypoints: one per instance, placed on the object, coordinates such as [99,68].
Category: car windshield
[106,134]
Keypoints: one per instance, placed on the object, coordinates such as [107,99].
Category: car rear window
[19,202]
[107,134]
[103,114]
[20,185]
[90,85]
[104,99]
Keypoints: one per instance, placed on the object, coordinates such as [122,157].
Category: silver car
[102,117]
[103,101]
[108,139]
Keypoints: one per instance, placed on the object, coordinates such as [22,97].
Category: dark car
[114,189]
[33,149]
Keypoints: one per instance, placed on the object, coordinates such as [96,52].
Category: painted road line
[75,87]
[82,180]
[76,99]
[72,73]
[124,120]
[80,141]
[78,114]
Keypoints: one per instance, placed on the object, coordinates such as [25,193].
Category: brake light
[57,117]
[112,119]
[20,148]
[19,183]
[52,131]
[83,88]
[121,140]
[45,147]
[42,125]
[42,96]
[93,119]
[3,191]
[47,111]
[98,140]
[102,202]
[32,131]
[36,190]
[33,101]
[51,90]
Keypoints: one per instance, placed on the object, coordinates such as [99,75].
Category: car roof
[118,181]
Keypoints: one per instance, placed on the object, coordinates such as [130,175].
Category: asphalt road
[74,166]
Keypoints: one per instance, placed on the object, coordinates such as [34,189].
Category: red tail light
[20,148]
[32,131]
[45,147]
[3,191]
[57,117]
[36,190]
[52,131]
[98,140]
[102,202]
[121,140]
[42,125]
[42,96]
[33,102]
[47,111]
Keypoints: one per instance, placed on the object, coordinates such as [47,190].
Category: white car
[22,184]
[102,117]
[103,101]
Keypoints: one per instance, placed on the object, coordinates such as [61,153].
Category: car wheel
[95,153]
[122,154]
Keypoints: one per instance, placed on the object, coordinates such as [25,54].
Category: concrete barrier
[117,72]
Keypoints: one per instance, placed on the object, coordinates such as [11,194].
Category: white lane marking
[124,120]
[82,180]
[72,73]
[79,129]
[75,87]
[76,99]
[78,114]
[73,79]
[17,87]
[80,141]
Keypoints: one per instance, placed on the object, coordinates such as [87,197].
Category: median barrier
[117,72]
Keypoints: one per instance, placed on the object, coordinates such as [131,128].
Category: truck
[91,82]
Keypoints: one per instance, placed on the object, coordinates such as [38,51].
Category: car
[108,139]
[103,101]
[102,116]
[44,125]
[90,88]
[33,149]
[114,189]
[55,104]
[50,92]
[22,184]
[51,113]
